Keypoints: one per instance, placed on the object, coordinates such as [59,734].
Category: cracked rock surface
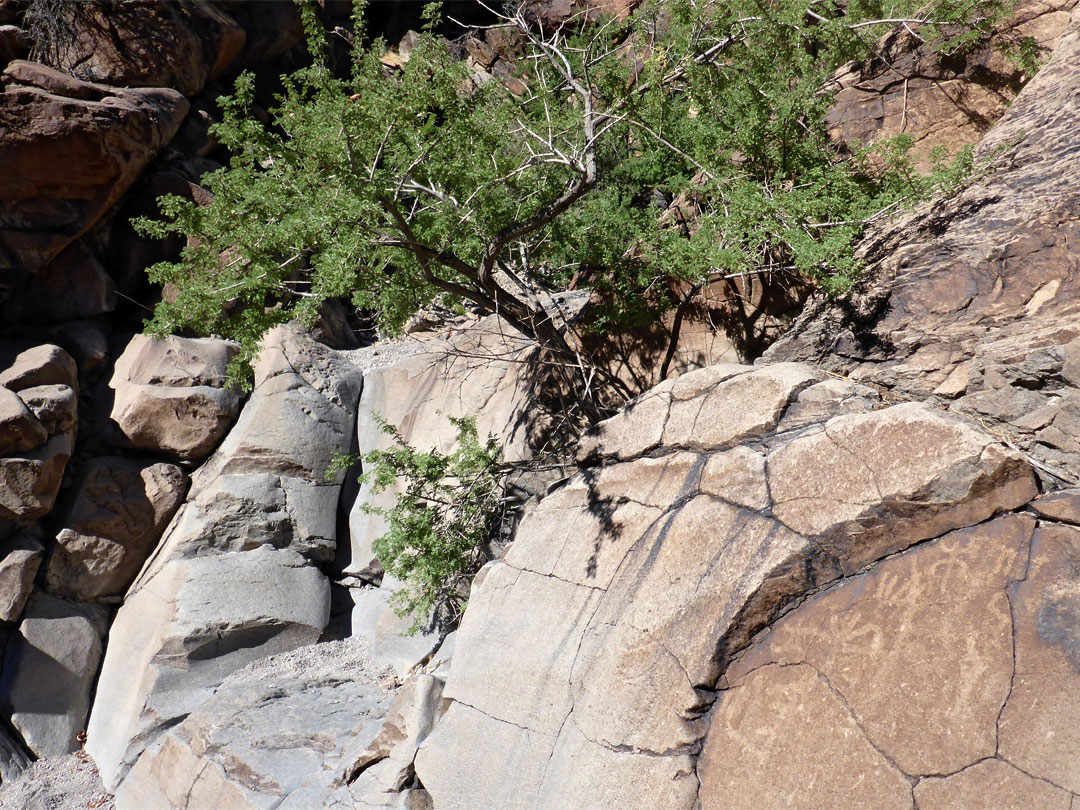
[589,664]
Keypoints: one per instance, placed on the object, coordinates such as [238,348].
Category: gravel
[60,783]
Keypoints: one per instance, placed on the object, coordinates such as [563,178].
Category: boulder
[13,759]
[41,365]
[374,619]
[972,302]
[49,669]
[171,394]
[20,430]
[55,406]
[20,557]
[590,657]
[68,151]
[29,482]
[146,44]
[232,580]
[120,509]
[37,396]
[281,734]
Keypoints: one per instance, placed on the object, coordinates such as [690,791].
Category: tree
[393,187]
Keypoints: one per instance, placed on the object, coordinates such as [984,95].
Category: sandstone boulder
[121,507]
[973,301]
[945,669]
[49,669]
[590,657]
[30,481]
[140,44]
[20,557]
[68,152]
[171,394]
[13,759]
[37,396]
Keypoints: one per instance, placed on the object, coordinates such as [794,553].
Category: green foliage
[393,187]
[440,527]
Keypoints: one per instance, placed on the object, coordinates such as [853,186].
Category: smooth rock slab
[49,668]
[191,624]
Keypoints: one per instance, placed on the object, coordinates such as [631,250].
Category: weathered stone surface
[171,395]
[281,742]
[973,301]
[145,44]
[790,742]
[991,783]
[49,668]
[232,581]
[379,773]
[1039,729]
[614,614]
[479,371]
[55,406]
[187,627]
[13,759]
[373,618]
[120,510]
[20,557]
[1063,506]
[858,477]
[939,102]
[50,123]
[20,430]
[41,365]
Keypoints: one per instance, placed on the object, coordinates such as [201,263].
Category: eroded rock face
[171,394]
[973,301]
[20,557]
[233,579]
[587,663]
[68,152]
[947,102]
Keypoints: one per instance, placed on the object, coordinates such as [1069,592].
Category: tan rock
[20,556]
[710,421]
[1063,506]
[783,738]
[55,406]
[29,483]
[738,477]
[121,508]
[991,783]
[856,482]
[170,394]
[20,430]
[41,365]
[68,151]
